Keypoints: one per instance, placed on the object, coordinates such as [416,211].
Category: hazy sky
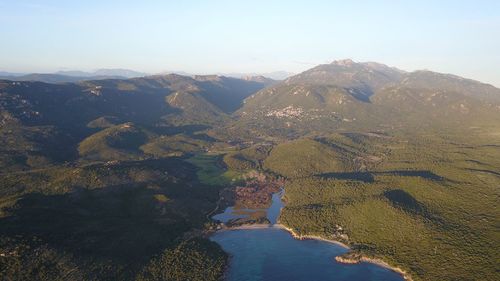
[460,37]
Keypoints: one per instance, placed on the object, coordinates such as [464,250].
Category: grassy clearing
[212,171]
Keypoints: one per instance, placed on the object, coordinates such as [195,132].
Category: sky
[215,36]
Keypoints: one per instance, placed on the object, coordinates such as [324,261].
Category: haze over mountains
[71,76]
[115,178]
[127,73]
[338,96]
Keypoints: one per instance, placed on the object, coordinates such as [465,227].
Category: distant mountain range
[71,76]
[57,78]
[116,72]
[275,75]
[104,177]
[338,96]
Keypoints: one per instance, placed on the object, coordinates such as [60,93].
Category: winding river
[270,253]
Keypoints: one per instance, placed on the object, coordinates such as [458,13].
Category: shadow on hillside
[406,202]
[490,145]
[119,223]
[357,176]
[362,97]
[189,130]
[484,171]
[230,97]
[418,173]
[369,177]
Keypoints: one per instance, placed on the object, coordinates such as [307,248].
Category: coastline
[338,259]
[312,237]
[378,262]
[343,259]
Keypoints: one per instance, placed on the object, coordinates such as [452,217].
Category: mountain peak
[344,62]
[366,77]
[213,77]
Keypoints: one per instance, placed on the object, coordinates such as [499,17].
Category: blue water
[272,213]
[274,210]
[231,214]
[273,254]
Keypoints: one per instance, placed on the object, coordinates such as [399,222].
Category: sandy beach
[338,259]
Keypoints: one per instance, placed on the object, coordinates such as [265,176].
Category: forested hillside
[116,179]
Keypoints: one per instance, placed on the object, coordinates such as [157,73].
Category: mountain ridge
[402,166]
[346,94]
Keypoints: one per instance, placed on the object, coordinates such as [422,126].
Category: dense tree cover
[177,145]
[247,158]
[115,179]
[194,260]
[352,96]
[237,161]
[302,158]
[120,142]
[105,221]
[426,204]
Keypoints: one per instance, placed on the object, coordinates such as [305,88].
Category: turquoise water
[272,254]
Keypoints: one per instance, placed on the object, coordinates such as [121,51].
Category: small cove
[266,253]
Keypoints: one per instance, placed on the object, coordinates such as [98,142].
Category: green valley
[117,179]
